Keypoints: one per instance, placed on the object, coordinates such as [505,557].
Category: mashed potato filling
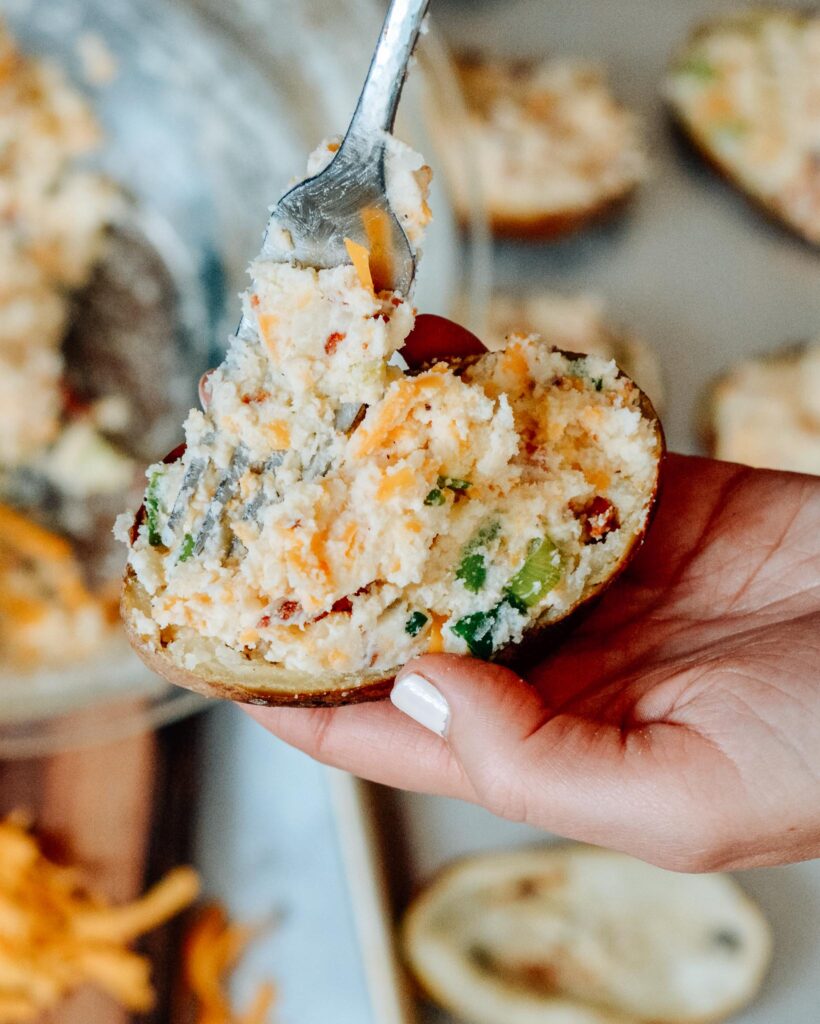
[376,512]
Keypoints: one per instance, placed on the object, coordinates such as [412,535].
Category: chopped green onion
[476,630]
[698,67]
[435,497]
[152,510]
[472,572]
[599,383]
[486,535]
[537,576]
[415,623]
[452,483]
[187,547]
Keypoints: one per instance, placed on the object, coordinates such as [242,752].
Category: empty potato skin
[252,680]
[425,987]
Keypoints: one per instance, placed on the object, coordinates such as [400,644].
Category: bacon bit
[257,396]
[333,147]
[568,383]
[396,301]
[254,300]
[264,622]
[598,518]
[72,403]
[333,342]
[345,604]
[286,611]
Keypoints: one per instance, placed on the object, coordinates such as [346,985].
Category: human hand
[680,722]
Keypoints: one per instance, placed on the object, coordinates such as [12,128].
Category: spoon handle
[376,110]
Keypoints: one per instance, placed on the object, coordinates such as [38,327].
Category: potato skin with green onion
[214,670]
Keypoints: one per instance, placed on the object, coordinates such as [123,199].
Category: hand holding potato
[679,723]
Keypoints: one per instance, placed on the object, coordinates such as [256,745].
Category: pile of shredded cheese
[57,934]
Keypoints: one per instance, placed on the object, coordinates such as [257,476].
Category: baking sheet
[708,281]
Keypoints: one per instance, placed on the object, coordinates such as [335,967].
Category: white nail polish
[421,701]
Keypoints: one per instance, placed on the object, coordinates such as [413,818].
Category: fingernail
[420,700]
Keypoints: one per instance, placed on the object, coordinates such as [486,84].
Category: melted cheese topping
[748,89]
[548,139]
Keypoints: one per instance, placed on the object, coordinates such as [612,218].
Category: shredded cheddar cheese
[377,229]
[57,934]
[360,258]
[213,947]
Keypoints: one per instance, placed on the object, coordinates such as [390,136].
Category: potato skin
[274,686]
[552,227]
[423,892]
[341,689]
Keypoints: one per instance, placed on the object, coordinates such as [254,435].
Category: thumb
[563,773]
[485,712]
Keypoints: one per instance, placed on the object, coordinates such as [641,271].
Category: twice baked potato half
[553,149]
[485,500]
[363,486]
[744,88]
[571,934]
[765,412]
